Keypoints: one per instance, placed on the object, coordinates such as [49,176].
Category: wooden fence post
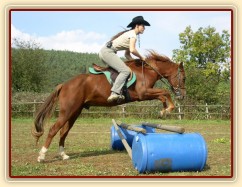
[221,115]
[179,111]
[34,110]
[207,114]
[123,110]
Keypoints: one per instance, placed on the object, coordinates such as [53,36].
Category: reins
[162,77]
[143,72]
[176,89]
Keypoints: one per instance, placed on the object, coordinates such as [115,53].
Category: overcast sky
[88,31]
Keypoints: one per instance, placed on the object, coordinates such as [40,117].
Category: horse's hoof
[40,160]
[65,157]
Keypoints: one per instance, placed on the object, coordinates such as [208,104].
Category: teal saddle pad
[108,76]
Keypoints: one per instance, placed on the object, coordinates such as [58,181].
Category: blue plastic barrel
[169,152]
[116,143]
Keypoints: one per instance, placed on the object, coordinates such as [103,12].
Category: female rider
[124,40]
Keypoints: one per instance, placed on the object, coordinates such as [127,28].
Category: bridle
[177,89]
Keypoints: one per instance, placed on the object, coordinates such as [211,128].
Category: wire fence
[139,110]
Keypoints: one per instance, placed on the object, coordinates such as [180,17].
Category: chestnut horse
[87,90]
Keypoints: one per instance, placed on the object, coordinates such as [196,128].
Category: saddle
[111,74]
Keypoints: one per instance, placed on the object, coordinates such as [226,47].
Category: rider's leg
[110,58]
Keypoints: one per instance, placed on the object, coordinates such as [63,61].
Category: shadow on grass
[93,153]
[206,168]
[74,156]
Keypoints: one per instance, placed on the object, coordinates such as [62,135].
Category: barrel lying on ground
[116,143]
[169,152]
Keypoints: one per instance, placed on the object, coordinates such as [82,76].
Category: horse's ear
[181,65]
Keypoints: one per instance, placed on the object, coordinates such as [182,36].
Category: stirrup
[115,97]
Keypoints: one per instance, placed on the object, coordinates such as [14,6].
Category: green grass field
[88,145]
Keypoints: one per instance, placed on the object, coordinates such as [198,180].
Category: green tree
[27,66]
[206,54]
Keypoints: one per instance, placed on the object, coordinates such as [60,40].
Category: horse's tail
[45,112]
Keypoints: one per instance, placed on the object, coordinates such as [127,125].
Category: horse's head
[177,81]
[173,72]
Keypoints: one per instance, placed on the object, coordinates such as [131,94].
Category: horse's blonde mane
[151,57]
[155,56]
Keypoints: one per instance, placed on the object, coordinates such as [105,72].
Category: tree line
[37,70]
[205,53]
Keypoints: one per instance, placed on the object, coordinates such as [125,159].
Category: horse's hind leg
[64,121]
[52,132]
[63,134]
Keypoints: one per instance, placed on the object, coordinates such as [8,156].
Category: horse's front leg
[163,95]
[163,111]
